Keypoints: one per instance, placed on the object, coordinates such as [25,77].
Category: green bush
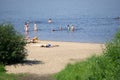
[113,48]
[113,53]
[2,69]
[11,45]
[104,67]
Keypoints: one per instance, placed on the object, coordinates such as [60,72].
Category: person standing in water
[35,27]
[35,32]
[26,27]
[68,27]
[72,28]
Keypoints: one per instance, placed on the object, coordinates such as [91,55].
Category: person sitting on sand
[34,40]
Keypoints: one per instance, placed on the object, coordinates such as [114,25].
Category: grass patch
[5,76]
[94,68]
[104,67]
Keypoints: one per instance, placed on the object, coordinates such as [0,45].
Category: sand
[43,61]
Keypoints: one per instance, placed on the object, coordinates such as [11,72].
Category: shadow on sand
[31,62]
[36,77]
[27,62]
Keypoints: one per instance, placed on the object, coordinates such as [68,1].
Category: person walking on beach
[35,27]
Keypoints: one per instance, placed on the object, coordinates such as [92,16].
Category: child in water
[35,27]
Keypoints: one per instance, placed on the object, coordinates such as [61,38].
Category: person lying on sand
[48,45]
[45,45]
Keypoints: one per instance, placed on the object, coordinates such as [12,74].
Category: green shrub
[11,45]
[113,48]
[2,69]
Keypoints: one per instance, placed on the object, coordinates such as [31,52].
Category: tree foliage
[12,44]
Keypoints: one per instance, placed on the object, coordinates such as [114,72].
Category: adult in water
[26,27]
[72,28]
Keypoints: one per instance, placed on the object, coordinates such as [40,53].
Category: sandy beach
[43,61]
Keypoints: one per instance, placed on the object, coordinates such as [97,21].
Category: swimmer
[50,20]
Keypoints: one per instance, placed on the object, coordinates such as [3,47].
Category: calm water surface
[93,20]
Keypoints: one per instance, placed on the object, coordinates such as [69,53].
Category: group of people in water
[26,28]
[69,27]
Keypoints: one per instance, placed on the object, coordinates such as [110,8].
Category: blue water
[93,20]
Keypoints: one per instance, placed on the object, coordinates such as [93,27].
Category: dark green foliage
[104,67]
[2,69]
[11,45]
